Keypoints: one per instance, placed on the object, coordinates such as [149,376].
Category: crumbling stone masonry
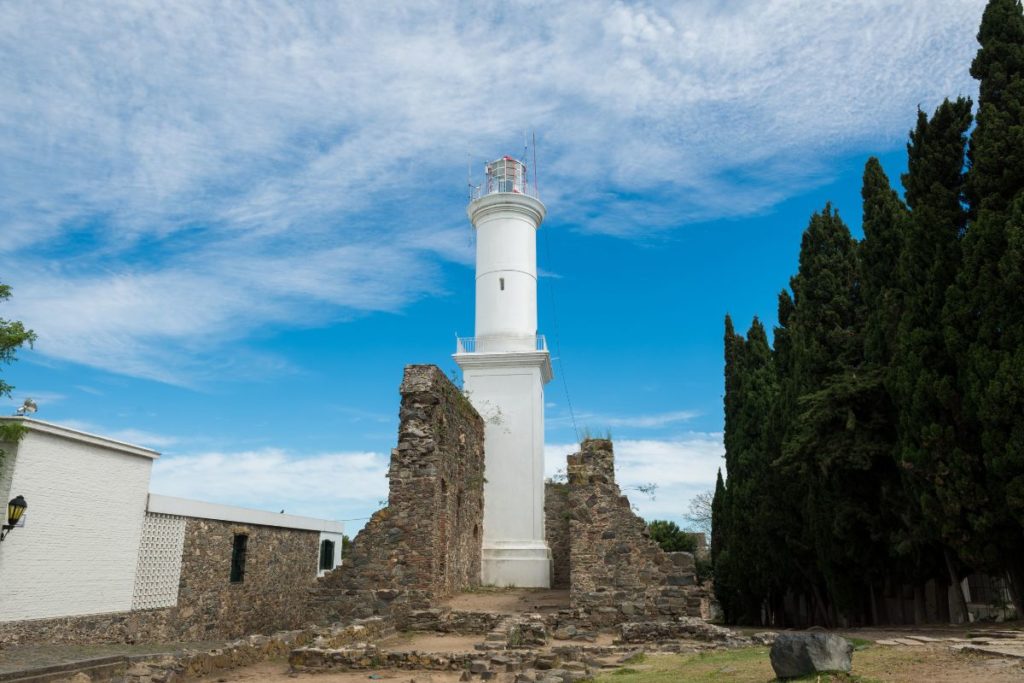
[556,531]
[617,573]
[426,544]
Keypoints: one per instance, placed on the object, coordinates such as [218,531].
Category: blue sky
[231,225]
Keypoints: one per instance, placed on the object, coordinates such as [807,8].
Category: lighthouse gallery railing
[487,344]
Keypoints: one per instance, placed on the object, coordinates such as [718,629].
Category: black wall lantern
[15,509]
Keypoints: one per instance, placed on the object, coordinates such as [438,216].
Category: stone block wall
[280,570]
[617,573]
[112,627]
[426,543]
[556,531]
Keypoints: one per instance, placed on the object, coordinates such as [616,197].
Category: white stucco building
[79,548]
[505,367]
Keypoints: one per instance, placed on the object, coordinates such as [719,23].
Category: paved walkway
[992,642]
[22,657]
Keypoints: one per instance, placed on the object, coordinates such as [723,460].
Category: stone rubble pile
[188,664]
[518,648]
[366,656]
[447,620]
[683,628]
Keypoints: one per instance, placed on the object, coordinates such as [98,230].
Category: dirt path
[277,672]
[925,664]
[509,600]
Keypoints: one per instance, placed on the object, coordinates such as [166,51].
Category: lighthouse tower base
[516,564]
[507,389]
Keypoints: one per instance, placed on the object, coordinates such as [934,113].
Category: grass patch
[638,658]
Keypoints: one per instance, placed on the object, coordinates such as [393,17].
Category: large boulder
[800,654]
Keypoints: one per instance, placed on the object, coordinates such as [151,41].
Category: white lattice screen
[159,569]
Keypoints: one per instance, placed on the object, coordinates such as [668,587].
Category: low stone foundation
[685,628]
[115,627]
[444,620]
[251,650]
[520,644]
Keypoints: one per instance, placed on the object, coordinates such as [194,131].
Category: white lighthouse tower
[505,368]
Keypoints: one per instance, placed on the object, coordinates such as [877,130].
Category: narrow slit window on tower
[501,283]
[238,548]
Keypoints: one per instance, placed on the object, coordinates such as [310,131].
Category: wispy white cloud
[42,399]
[652,421]
[176,178]
[346,485]
[597,422]
[681,468]
[326,485]
[138,437]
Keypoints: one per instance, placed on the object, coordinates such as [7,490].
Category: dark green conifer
[842,440]
[984,316]
[923,373]
[884,224]
[997,143]
[717,517]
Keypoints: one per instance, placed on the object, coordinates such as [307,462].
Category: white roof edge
[184,507]
[84,437]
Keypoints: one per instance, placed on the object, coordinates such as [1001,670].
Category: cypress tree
[884,224]
[752,496]
[717,517]
[866,467]
[725,567]
[742,569]
[788,553]
[997,144]
[824,335]
[984,318]
[825,344]
[939,473]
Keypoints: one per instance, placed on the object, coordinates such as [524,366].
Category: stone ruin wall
[617,572]
[556,531]
[426,544]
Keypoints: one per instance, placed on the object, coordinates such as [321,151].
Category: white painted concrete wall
[337,538]
[78,551]
[506,271]
[511,399]
[505,378]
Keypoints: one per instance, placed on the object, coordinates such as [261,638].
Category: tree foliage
[877,443]
[670,537]
[13,335]
[699,512]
